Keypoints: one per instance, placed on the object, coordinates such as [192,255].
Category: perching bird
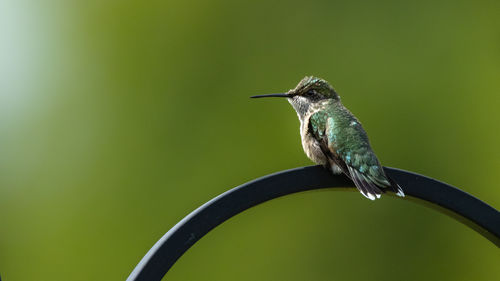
[333,137]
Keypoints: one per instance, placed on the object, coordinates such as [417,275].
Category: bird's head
[313,89]
[310,90]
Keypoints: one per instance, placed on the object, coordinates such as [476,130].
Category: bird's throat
[301,105]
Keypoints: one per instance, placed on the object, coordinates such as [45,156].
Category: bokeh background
[118,118]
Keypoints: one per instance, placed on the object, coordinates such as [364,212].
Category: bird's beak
[284,95]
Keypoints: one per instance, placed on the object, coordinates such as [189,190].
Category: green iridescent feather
[347,141]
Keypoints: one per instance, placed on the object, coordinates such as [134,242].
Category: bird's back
[345,144]
[345,132]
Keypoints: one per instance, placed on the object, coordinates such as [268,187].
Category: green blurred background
[118,118]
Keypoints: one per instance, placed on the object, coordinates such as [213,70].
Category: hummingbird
[333,137]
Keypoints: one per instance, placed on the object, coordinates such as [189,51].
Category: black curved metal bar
[443,197]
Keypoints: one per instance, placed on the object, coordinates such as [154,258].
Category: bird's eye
[310,92]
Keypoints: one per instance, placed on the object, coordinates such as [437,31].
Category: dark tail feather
[395,187]
[366,187]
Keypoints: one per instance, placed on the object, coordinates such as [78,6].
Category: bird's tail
[395,187]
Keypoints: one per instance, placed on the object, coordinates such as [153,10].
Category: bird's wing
[348,148]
